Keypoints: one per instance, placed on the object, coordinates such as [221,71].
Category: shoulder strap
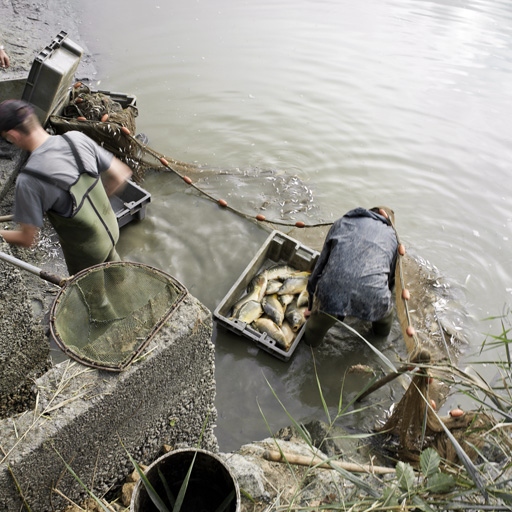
[79,162]
[50,179]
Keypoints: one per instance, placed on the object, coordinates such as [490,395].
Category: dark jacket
[355,272]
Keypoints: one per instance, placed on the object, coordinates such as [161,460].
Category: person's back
[354,274]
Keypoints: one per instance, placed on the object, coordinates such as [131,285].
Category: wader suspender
[81,170]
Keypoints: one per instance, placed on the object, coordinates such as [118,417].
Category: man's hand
[26,236]
[4,59]
[115,176]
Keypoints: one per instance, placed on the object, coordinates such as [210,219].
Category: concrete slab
[83,414]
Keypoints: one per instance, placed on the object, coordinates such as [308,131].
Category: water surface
[406,104]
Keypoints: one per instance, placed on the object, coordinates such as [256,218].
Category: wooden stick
[5,218]
[302,460]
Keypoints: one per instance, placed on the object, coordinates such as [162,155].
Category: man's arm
[26,236]
[115,176]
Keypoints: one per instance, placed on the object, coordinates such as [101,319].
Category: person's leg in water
[316,328]
[96,298]
[382,327]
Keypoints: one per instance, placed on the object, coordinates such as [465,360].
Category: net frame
[72,283]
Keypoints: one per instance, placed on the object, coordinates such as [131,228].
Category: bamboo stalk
[302,460]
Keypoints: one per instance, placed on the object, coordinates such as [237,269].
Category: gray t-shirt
[55,159]
[355,270]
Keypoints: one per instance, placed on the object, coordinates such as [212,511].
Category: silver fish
[295,315]
[256,291]
[289,335]
[273,286]
[286,299]
[249,312]
[293,285]
[267,326]
[280,272]
[303,298]
[273,308]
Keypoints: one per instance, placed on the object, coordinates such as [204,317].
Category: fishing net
[417,427]
[106,315]
[282,201]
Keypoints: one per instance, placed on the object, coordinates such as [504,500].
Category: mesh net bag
[106,315]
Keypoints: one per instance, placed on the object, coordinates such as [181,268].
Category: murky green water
[401,103]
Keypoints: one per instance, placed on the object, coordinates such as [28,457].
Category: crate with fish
[267,302]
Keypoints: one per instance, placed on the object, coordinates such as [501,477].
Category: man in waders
[354,274]
[62,178]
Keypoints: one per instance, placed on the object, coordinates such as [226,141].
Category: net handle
[51,278]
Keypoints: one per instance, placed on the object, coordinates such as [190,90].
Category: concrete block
[23,349]
[83,414]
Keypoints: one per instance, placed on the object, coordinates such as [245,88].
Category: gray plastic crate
[130,204]
[50,76]
[278,249]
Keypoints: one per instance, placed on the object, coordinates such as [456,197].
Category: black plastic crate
[130,204]
[278,249]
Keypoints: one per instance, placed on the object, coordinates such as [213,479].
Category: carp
[273,286]
[255,291]
[286,299]
[273,308]
[303,298]
[249,311]
[280,272]
[295,315]
[289,335]
[266,325]
[293,285]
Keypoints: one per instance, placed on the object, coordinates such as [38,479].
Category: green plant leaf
[470,467]
[184,485]
[381,356]
[155,498]
[405,477]
[422,505]
[440,483]
[429,462]
[390,497]
[225,504]
[170,495]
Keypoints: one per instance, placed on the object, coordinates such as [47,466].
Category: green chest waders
[89,235]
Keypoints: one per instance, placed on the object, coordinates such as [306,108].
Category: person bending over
[354,274]
[69,177]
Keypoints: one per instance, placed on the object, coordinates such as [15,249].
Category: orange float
[401,250]
[405,294]
[104,118]
[186,179]
[260,217]
[410,331]
[125,130]
[456,413]
[300,224]
[433,404]
[222,202]
[164,162]
[77,85]
[81,118]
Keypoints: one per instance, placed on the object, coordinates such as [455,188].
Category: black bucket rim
[189,450]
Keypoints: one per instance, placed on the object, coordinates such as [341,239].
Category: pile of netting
[416,426]
[112,125]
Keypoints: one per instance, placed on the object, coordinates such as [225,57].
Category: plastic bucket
[211,482]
